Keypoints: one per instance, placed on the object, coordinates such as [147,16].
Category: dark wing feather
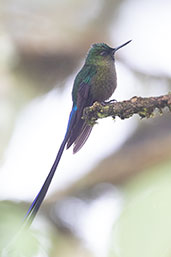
[80,131]
[80,141]
[82,101]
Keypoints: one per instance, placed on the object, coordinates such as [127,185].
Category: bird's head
[101,52]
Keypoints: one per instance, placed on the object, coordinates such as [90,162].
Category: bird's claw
[108,102]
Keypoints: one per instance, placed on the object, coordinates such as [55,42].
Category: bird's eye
[103,53]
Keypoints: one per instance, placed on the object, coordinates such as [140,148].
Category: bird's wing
[80,131]
[82,138]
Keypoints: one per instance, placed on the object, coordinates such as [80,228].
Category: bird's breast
[103,83]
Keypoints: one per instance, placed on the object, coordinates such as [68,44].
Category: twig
[143,106]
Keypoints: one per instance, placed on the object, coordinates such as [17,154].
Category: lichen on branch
[143,106]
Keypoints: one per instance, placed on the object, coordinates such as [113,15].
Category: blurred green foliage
[144,226]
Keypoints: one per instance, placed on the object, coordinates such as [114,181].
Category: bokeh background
[113,198]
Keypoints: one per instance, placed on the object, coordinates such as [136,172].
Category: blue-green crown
[101,46]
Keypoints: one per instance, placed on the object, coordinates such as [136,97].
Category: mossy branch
[143,106]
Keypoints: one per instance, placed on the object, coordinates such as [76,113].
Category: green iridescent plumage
[96,81]
[97,71]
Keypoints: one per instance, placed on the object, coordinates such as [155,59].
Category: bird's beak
[117,48]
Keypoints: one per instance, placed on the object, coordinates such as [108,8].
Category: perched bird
[96,81]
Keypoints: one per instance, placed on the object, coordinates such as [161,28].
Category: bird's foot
[108,102]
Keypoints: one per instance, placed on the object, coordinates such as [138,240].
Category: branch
[143,106]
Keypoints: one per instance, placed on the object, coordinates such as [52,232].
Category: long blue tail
[32,211]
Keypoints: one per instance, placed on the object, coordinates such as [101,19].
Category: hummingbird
[96,81]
